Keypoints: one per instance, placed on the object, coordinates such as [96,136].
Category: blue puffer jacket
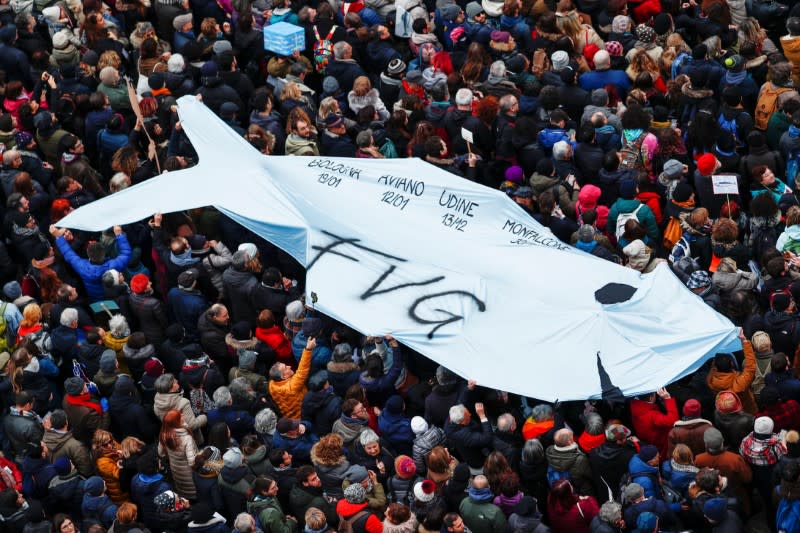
[646,476]
[319,357]
[679,479]
[91,273]
[143,490]
[396,429]
[300,448]
[99,508]
[550,136]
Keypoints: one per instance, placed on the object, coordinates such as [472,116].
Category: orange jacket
[738,382]
[532,429]
[288,394]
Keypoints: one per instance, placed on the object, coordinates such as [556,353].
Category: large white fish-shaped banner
[455,270]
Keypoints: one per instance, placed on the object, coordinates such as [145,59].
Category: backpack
[29,285]
[793,169]
[758,381]
[355,523]
[389,150]
[632,154]
[672,233]
[5,335]
[683,59]
[404,497]
[788,516]
[731,126]
[323,49]
[762,239]
[554,475]
[681,260]
[622,218]
[767,104]
[541,62]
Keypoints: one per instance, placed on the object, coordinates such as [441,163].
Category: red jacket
[276,339]
[651,425]
[573,520]
[346,509]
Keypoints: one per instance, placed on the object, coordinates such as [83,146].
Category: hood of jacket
[562,458]
[233,475]
[639,467]
[696,94]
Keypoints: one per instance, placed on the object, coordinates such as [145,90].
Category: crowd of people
[169,376]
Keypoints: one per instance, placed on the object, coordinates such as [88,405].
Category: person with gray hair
[469,438]
[69,317]
[12,161]
[497,83]
[265,423]
[506,122]
[169,395]
[116,92]
[343,67]
[213,327]
[455,119]
[565,456]
[343,372]
[609,519]
[244,523]
[507,440]
[636,503]
[222,397]
[366,145]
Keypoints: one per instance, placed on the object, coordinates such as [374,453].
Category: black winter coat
[152,317]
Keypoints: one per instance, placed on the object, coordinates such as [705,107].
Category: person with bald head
[565,456]
[480,515]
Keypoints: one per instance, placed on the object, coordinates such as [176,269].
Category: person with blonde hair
[32,328]
[679,470]
[363,94]
[570,24]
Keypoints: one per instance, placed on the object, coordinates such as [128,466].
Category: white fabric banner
[455,270]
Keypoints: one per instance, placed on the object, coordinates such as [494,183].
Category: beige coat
[181,460]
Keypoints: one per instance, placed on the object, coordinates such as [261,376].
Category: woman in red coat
[569,512]
[272,335]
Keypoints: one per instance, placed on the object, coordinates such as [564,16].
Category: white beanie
[559,59]
[418,425]
[249,248]
[764,425]
[176,64]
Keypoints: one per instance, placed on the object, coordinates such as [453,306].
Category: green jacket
[301,498]
[117,96]
[482,517]
[270,514]
[644,215]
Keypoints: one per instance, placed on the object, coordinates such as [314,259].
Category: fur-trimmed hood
[699,94]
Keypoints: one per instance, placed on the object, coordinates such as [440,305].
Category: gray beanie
[342,353]
[713,440]
[73,386]
[330,85]
[599,97]
[108,361]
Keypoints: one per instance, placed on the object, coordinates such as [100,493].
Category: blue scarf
[353,421]
[587,247]
[184,259]
[480,495]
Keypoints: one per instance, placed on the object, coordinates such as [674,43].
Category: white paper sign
[725,184]
[467,135]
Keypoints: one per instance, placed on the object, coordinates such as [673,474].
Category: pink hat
[614,48]
[588,196]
